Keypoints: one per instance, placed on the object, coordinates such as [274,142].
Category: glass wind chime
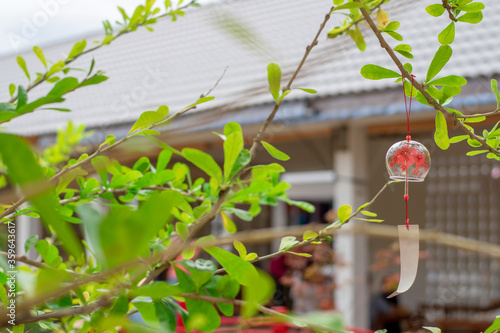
[408,161]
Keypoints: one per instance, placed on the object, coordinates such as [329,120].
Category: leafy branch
[421,88]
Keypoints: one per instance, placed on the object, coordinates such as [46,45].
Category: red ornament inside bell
[408,160]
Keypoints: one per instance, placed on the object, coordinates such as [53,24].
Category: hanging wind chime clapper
[408,161]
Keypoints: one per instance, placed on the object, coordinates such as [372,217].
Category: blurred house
[337,138]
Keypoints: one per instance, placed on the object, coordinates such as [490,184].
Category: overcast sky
[25,23]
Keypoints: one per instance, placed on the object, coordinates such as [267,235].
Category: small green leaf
[495,326]
[199,101]
[394,35]
[410,90]
[440,59]
[309,234]
[274,79]
[349,5]
[242,214]
[30,242]
[203,161]
[22,64]
[228,223]
[307,90]
[450,80]
[472,7]
[233,145]
[494,88]
[458,138]
[471,17]
[58,66]
[344,212]
[202,316]
[12,89]
[473,143]
[441,135]
[476,152]
[447,36]
[357,37]
[369,220]
[375,72]
[435,10]
[475,119]
[258,292]
[64,86]
[39,53]
[392,26]
[77,49]
[433,329]
[274,152]
[338,2]
[287,243]
[251,256]
[367,213]
[239,269]
[145,120]
[408,67]
[182,230]
[242,251]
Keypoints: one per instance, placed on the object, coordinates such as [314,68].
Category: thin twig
[44,77]
[421,87]
[25,260]
[486,114]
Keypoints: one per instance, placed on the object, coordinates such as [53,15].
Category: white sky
[25,23]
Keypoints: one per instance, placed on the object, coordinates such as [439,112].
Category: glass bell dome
[408,160]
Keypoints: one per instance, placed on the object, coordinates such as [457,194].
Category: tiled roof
[183,59]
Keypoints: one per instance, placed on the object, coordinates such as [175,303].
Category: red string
[408,138]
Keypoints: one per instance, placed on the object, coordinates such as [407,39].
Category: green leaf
[307,90]
[408,67]
[375,72]
[472,7]
[309,234]
[96,79]
[239,269]
[242,251]
[242,160]
[476,152]
[329,322]
[349,5]
[22,64]
[228,223]
[475,119]
[495,326]
[64,86]
[12,89]
[233,145]
[410,90]
[58,66]
[203,161]
[258,292]
[198,102]
[182,230]
[441,135]
[447,36]
[338,2]
[471,17]
[274,79]
[166,317]
[394,35]
[39,53]
[368,213]
[202,316]
[306,206]
[450,80]
[287,243]
[344,212]
[369,220]
[357,37]
[435,10]
[433,329]
[22,97]
[338,31]
[404,50]
[226,287]
[440,59]
[123,226]
[392,26]
[473,143]
[145,120]
[25,171]
[30,242]
[274,152]
[18,328]
[242,214]
[494,88]
[458,138]
[77,49]
[155,290]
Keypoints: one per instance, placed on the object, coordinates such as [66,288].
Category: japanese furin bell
[408,160]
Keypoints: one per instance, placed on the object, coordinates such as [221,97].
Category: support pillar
[352,292]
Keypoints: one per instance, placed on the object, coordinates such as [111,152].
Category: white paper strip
[408,252]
